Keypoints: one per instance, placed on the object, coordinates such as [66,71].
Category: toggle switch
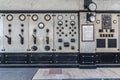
[34,39]
[9,39]
[22,39]
[47,40]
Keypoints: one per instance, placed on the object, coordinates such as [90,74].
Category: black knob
[47,30]
[34,48]
[47,48]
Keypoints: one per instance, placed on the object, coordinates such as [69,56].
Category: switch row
[60,40]
[102,30]
[106,35]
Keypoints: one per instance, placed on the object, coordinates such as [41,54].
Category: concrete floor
[17,73]
[28,73]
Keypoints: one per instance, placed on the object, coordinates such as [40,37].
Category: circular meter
[34,17]
[9,17]
[22,17]
[92,18]
[41,25]
[92,6]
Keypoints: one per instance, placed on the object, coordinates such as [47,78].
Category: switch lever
[22,39]
[34,39]
[9,39]
[47,40]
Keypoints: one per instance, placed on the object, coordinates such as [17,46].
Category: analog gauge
[41,25]
[47,17]
[92,6]
[34,17]
[22,17]
[72,17]
[9,17]
[92,18]
[60,17]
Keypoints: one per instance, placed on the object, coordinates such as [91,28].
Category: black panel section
[118,57]
[112,30]
[66,58]
[112,43]
[87,58]
[100,30]
[86,3]
[101,43]
[106,58]
[15,58]
[41,58]
[66,44]
[82,60]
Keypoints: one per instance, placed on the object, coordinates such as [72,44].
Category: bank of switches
[39,32]
[82,33]
[59,32]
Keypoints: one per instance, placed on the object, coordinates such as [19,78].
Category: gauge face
[41,25]
[60,17]
[47,17]
[92,6]
[9,17]
[72,17]
[92,18]
[22,17]
[34,17]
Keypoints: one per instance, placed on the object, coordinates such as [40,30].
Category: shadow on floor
[17,73]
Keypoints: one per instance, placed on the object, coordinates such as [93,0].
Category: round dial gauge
[34,17]
[22,17]
[92,18]
[9,17]
[47,17]
[41,25]
[92,6]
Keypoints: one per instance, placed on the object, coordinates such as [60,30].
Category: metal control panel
[62,31]
[81,32]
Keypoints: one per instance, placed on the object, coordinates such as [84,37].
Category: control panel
[84,28]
